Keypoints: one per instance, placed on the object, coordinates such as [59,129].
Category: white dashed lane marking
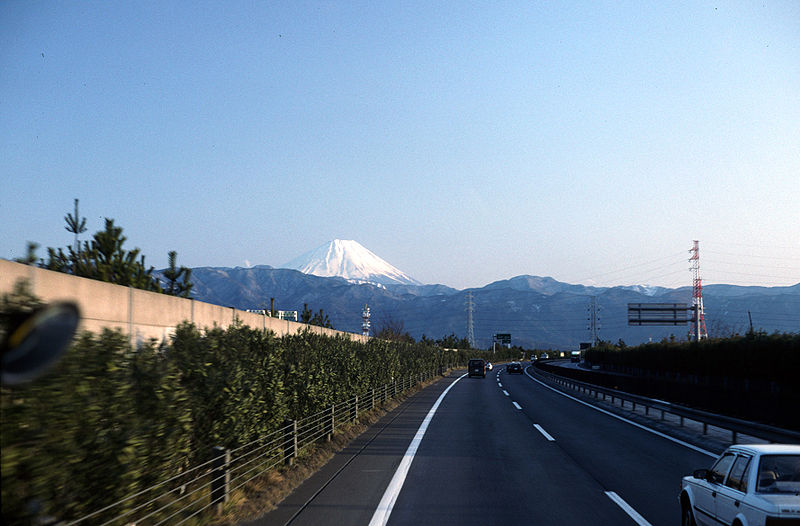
[543,432]
[632,513]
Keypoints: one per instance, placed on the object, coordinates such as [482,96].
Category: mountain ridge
[537,311]
[341,276]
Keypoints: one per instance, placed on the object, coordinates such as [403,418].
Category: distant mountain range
[537,311]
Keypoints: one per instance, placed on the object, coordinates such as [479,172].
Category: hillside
[537,311]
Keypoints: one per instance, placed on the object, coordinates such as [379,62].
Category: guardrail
[734,425]
[209,485]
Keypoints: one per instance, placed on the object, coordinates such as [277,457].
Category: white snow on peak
[646,290]
[350,260]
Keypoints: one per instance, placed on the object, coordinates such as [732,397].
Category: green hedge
[109,421]
[104,424]
[756,356]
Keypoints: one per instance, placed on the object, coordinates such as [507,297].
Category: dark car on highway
[477,367]
[514,367]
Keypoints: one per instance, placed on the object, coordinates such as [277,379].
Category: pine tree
[30,255]
[177,278]
[321,319]
[75,225]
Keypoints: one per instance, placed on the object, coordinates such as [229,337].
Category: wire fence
[186,497]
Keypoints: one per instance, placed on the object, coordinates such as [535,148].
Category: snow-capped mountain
[350,260]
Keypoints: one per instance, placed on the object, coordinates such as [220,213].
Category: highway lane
[641,467]
[482,461]
[347,490]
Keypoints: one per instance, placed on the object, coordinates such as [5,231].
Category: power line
[632,266]
[760,247]
[738,263]
[752,255]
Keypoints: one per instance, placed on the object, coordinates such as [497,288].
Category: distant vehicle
[489,366]
[747,485]
[514,367]
[575,356]
[476,367]
[544,356]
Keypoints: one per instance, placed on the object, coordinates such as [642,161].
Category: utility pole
[699,326]
[593,319]
[365,325]
[470,327]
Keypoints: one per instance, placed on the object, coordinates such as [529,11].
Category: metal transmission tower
[698,328]
[594,320]
[470,327]
[365,321]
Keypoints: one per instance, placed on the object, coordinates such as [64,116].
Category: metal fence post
[332,423]
[220,477]
[289,441]
[372,402]
[355,410]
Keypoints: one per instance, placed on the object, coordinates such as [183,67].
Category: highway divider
[735,426]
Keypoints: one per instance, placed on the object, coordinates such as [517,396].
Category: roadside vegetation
[753,356]
[752,377]
[109,420]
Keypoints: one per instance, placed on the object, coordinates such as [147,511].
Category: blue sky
[462,142]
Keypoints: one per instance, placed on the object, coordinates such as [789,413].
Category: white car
[748,485]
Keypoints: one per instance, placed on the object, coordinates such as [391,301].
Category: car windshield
[779,474]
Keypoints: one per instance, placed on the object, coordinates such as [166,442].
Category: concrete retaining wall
[141,314]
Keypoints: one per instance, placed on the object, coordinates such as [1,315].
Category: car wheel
[687,519]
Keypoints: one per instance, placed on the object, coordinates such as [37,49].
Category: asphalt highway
[502,450]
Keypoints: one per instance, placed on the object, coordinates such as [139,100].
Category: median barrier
[734,425]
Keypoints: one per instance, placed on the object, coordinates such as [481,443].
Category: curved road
[506,449]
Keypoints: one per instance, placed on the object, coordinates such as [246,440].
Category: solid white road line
[384,509]
[627,509]
[631,422]
[505,392]
[545,433]
[516,405]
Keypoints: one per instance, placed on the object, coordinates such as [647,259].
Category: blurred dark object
[35,340]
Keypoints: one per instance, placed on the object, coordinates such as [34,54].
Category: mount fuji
[349,260]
